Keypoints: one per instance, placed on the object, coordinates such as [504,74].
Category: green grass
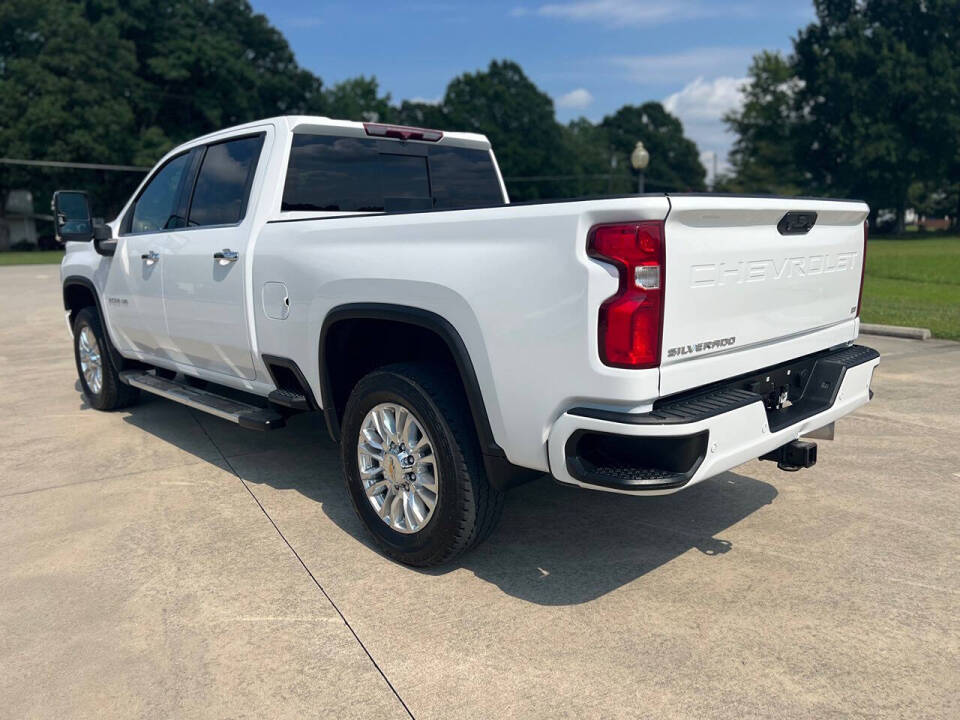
[914,282]
[37,257]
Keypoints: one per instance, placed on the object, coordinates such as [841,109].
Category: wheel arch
[80,292]
[500,471]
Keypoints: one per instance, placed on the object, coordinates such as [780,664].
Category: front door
[203,275]
[134,287]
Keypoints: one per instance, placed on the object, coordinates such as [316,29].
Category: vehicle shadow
[554,546]
[563,546]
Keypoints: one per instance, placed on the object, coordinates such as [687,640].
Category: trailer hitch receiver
[794,455]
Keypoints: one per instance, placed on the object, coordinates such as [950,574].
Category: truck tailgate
[737,286]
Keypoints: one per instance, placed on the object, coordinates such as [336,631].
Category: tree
[421,114]
[674,159]
[590,147]
[123,82]
[879,100]
[357,99]
[59,76]
[764,155]
[519,120]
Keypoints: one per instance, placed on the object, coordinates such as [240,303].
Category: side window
[333,173]
[156,207]
[463,177]
[223,183]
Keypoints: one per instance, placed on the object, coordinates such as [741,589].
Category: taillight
[863,265]
[631,321]
[401,132]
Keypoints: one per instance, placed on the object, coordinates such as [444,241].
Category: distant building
[18,221]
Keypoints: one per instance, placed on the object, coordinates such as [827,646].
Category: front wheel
[98,376]
[412,465]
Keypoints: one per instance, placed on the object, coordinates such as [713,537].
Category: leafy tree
[867,106]
[519,120]
[59,75]
[421,114]
[879,99]
[764,155]
[674,159]
[592,155]
[116,81]
[357,99]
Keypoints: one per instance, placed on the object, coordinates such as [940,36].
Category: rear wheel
[412,465]
[99,377]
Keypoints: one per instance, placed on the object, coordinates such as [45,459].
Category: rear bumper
[698,435]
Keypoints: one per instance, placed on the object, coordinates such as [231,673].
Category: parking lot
[161,562]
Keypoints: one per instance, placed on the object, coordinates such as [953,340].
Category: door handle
[151,257]
[226,254]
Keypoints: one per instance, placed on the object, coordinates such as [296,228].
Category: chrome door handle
[226,254]
[151,256]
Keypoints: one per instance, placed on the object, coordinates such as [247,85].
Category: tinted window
[404,182]
[461,177]
[331,173]
[357,175]
[156,207]
[220,195]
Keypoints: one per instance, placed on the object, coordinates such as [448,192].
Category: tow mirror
[71,216]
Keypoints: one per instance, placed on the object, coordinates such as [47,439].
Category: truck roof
[319,124]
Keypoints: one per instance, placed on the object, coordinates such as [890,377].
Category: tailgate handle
[797,222]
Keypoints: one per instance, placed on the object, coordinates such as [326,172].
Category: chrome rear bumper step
[236,411]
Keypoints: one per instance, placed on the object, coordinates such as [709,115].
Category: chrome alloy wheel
[91,360]
[398,467]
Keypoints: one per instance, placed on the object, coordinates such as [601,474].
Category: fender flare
[115,357]
[500,471]
[412,316]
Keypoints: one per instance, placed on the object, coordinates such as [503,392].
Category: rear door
[204,268]
[748,278]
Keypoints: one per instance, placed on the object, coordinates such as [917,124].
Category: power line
[536,178]
[78,165]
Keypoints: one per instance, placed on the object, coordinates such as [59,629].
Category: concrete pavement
[161,562]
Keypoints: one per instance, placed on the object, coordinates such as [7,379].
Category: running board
[241,413]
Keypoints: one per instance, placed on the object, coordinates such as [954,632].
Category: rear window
[362,175]
[220,195]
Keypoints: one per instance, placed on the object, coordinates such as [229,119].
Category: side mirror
[103,240]
[71,216]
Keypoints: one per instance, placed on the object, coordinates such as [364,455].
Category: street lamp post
[640,158]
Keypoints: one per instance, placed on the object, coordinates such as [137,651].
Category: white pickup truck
[458,344]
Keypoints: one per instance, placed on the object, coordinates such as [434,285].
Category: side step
[241,413]
[289,399]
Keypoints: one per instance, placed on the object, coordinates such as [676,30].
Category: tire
[466,507]
[90,341]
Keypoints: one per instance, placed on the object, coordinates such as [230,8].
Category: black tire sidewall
[87,317]
[114,394]
[387,387]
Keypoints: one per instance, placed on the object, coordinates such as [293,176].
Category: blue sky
[591,56]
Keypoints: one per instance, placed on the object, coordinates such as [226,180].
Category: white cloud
[427,101]
[681,66]
[707,99]
[628,12]
[701,105]
[575,99]
[647,13]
